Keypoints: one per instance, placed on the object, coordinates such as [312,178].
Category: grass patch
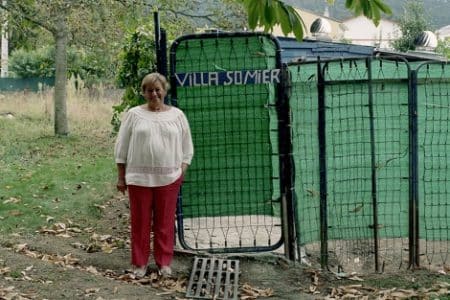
[45,176]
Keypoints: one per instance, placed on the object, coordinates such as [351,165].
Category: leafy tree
[97,27]
[32,63]
[443,47]
[268,13]
[138,56]
[413,22]
[65,21]
[40,62]
[137,59]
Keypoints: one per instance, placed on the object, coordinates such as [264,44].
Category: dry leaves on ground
[170,285]
[97,242]
[59,229]
[249,292]
[364,292]
[9,293]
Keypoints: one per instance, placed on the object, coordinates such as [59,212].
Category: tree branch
[176,12]
[18,10]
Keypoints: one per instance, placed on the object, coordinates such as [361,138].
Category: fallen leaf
[78,245]
[356,278]
[15,213]
[20,247]
[12,200]
[92,270]
[92,290]
[248,290]
[28,269]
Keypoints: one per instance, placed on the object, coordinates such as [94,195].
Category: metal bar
[157,39]
[162,66]
[373,163]
[285,150]
[364,81]
[209,284]
[219,277]
[236,279]
[201,277]
[226,289]
[413,174]
[322,167]
[191,279]
[429,80]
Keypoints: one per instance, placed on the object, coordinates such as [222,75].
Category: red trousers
[155,205]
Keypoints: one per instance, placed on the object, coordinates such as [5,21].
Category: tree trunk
[4,51]
[61,38]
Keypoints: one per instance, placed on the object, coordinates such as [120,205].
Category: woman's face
[154,92]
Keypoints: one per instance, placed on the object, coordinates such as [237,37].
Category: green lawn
[45,178]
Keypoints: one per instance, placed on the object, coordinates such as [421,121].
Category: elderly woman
[153,151]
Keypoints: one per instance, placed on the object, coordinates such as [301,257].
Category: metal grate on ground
[213,278]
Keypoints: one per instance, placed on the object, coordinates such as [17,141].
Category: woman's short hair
[152,78]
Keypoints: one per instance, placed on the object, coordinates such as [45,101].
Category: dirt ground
[70,261]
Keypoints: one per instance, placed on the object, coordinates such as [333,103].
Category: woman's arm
[121,184]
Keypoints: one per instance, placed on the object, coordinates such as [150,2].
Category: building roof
[310,50]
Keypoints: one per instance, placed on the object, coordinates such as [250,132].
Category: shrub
[138,58]
[41,63]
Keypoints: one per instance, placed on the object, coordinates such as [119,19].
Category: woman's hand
[121,185]
[184,167]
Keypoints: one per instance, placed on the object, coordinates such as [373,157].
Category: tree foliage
[137,59]
[52,16]
[178,17]
[268,13]
[97,27]
[40,62]
[443,47]
[412,23]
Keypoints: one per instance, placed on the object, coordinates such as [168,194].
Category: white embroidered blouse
[153,145]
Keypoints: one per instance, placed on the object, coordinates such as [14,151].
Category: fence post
[157,37]
[322,166]
[373,161]
[286,165]
[160,45]
[162,63]
[413,173]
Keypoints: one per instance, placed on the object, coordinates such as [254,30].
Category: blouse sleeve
[187,145]
[123,139]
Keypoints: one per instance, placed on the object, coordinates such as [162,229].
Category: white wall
[308,18]
[362,31]
[443,32]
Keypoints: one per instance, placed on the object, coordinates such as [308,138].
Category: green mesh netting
[348,156]
[234,128]
[434,152]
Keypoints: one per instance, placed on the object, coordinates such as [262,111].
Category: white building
[336,27]
[443,33]
[362,31]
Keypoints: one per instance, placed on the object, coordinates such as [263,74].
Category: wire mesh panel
[366,159]
[390,90]
[231,196]
[304,106]
[433,98]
